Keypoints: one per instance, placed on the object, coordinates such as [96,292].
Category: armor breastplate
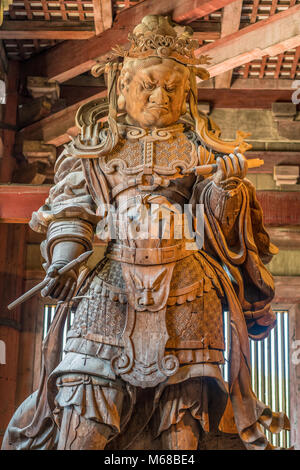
[147,159]
[142,162]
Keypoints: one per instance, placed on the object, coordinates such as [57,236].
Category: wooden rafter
[77,30]
[254,11]
[102,15]
[80,56]
[295,62]
[188,10]
[273,7]
[58,30]
[230,24]
[278,65]
[276,34]
[263,66]
[60,9]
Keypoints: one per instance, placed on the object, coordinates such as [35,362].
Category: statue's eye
[170,88]
[149,86]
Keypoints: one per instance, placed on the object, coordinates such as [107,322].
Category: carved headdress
[155,36]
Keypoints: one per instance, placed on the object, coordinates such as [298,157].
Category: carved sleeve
[236,237]
[226,202]
[69,213]
[69,198]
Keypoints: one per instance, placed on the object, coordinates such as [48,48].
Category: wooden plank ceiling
[32,26]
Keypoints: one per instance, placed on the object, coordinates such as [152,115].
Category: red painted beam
[245,98]
[17,202]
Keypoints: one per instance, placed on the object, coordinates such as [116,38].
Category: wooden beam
[57,128]
[238,83]
[271,37]
[79,57]
[235,98]
[17,202]
[253,84]
[230,24]
[102,15]
[57,30]
[272,159]
[262,84]
[190,10]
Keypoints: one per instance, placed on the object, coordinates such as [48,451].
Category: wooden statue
[143,355]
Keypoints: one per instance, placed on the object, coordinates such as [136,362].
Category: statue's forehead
[167,69]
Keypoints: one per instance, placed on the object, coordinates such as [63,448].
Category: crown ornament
[158,36]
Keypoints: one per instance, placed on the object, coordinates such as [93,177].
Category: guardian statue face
[153,91]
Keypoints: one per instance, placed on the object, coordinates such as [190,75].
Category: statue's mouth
[160,108]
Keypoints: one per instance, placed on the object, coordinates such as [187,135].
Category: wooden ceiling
[33,26]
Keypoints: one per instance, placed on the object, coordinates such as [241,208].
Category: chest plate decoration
[159,151]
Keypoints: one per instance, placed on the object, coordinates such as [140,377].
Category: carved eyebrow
[172,82]
[147,80]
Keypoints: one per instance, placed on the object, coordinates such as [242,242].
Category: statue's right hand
[60,287]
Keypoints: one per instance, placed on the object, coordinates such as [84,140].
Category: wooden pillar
[8,162]
[287,297]
[294,314]
[12,264]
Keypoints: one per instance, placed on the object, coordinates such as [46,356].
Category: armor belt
[149,256]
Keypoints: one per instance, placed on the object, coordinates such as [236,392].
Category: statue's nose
[159,97]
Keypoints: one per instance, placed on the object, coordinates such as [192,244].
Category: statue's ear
[121,103]
[121,97]
[119,85]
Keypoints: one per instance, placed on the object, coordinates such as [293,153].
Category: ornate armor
[149,316]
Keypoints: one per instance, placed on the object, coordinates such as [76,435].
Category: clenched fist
[230,166]
[60,287]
